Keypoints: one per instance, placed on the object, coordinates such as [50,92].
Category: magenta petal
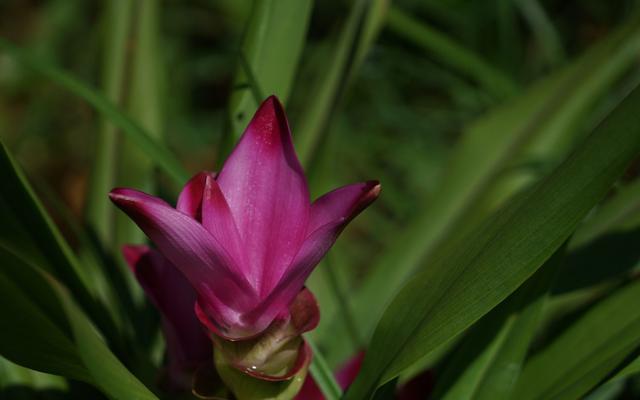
[342,204]
[217,219]
[349,370]
[267,193]
[345,377]
[190,247]
[190,198]
[332,212]
[173,296]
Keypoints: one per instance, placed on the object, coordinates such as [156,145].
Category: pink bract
[187,343]
[248,238]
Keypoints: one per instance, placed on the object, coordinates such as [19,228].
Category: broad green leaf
[492,261]
[444,49]
[353,44]
[269,58]
[132,129]
[588,350]
[44,329]
[107,372]
[32,329]
[547,117]
[488,363]
[21,208]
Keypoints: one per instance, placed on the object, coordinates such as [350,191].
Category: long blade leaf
[495,259]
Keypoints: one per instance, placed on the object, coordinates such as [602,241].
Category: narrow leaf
[161,156]
[271,49]
[446,50]
[44,329]
[500,255]
[487,365]
[598,342]
[353,44]
[322,374]
[99,210]
[546,119]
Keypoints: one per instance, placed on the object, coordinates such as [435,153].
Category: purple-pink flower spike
[188,346]
[248,238]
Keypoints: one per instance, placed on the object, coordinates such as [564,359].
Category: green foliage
[462,286]
[600,340]
[269,57]
[45,330]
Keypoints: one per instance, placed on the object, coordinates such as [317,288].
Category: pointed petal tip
[273,101]
[271,111]
[119,194]
[116,194]
[374,188]
[370,192]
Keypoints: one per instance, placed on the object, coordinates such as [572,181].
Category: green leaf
[619,214]
[134,166]
[161,156]
[599,341]
[353,44]
[106,370]
[36,236]
[589,268]
[43,329]
[270,55]
[99,210]
[491,262]
[32,329]
[13,375]
[322,374]
[449,52]
[488,363]
[547,37]
[540,125]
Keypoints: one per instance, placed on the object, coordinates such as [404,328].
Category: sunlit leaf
[269,58]
[500,255]
[541,125]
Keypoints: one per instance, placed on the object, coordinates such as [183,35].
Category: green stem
[322,374]
[343,304]
[99,211]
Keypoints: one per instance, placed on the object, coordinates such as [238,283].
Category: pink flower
[187,343]
[345,376]
[248,238]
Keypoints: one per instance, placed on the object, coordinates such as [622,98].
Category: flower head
[248,238]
